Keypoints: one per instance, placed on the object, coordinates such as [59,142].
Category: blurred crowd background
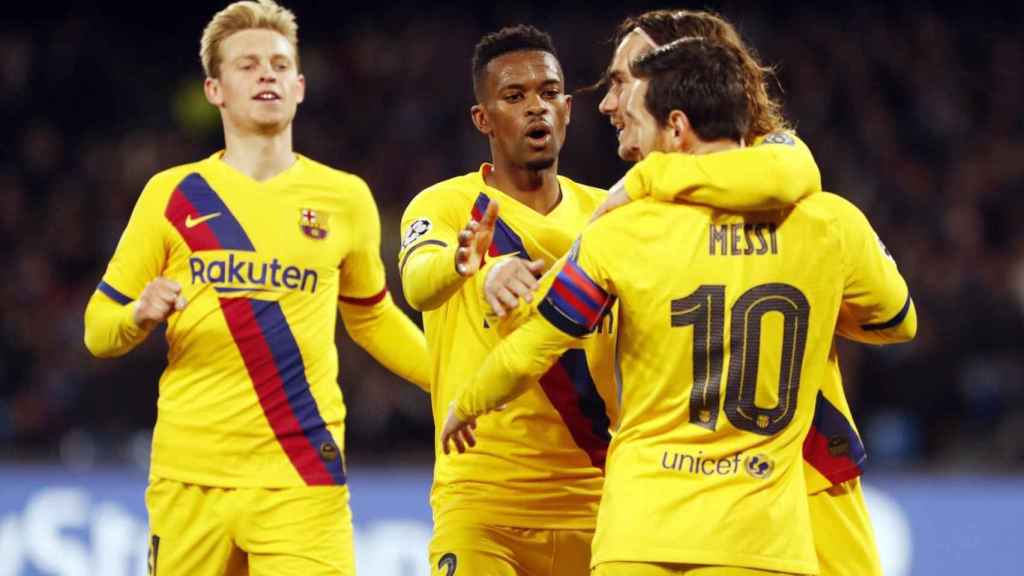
[914,112]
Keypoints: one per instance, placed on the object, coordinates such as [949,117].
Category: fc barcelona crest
[313,223]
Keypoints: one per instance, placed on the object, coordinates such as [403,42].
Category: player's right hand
[474,240]
[159,299]
[510,280]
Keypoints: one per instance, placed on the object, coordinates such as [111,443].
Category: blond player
[247,255]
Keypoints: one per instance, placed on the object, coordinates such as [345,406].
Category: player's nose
[608,104]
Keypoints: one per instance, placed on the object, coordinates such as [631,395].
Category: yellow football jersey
[725,332]
[250,396]
[545,452]
[776,171]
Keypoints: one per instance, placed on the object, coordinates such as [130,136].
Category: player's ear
[301,95]
[568,108]
[679,124]
[211,87]
[479,115]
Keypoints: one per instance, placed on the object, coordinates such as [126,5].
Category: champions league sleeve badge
[416,231]
[313,223]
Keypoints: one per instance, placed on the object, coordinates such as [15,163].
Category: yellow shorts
[654,569]
[461,548]
[843,537]
[199,530]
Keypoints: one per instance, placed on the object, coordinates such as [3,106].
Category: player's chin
[630,153]
[271,125]
[542,163]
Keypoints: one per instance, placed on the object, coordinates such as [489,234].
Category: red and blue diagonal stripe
[575,303]
[192,199]
[505,240]
[274,363]
[832,446]
[571,390]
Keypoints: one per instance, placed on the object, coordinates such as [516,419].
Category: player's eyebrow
[612,74]
[251,56]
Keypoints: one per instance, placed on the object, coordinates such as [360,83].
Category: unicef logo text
[757,466]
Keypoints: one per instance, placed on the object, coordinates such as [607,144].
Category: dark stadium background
[914,112]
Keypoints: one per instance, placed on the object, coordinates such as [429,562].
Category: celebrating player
[705,296]
[527,503]
[833,451]
[246,255]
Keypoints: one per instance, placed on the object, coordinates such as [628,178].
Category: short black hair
[703,78]
[509,39]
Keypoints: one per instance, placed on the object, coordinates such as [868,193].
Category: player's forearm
[110,329]
[387,334]
[509,369]
[772,176]
[429,277]
[900,327]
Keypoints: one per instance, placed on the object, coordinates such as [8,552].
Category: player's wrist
[136,323]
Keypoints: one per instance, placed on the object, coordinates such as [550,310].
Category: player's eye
[552,93]
[513,97]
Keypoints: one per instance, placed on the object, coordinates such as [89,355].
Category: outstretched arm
[527,353]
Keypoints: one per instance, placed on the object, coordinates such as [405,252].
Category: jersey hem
[469,515]
[705,558]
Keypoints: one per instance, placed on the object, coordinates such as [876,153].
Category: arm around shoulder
[773,174]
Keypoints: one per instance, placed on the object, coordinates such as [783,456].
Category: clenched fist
[159,299]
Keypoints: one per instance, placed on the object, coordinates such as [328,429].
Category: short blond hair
[245,15]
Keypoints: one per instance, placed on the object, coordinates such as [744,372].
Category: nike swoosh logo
[192,223]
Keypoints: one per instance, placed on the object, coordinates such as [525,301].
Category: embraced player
[705,296]
[247,255]
[833,451]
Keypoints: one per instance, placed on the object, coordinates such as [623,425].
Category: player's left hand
[617,197]
[458,431]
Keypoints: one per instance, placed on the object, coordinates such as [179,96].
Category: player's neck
[707,147]
[259,156]
[537,189]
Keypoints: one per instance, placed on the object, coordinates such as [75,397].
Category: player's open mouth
[266,96]
[538,135]
[619,127]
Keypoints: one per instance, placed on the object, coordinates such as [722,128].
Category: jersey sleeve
[392,338]
[370,316]
[362,271]
[876,307]
[570,309]
[426,260]
[141,255]
[774,173]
